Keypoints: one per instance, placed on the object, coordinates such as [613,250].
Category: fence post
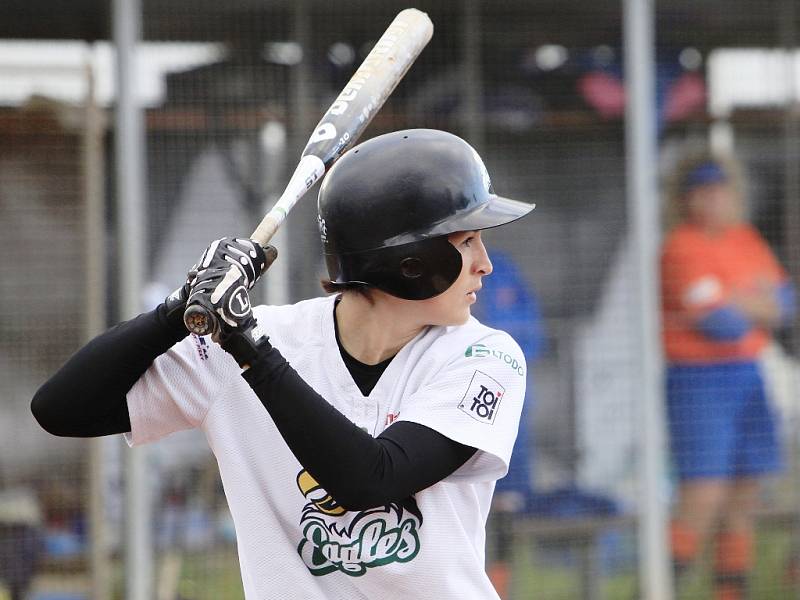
[93,169]
[129,166]
[643,210]
[472,114]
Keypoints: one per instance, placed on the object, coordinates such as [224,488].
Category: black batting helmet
[387,205]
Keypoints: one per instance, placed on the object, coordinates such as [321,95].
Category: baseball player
[358,436]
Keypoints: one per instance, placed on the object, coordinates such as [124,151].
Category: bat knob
[199,320]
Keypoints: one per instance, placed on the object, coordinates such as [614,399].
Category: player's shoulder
[474,341]
[300,309]
[473,331]
[301,319]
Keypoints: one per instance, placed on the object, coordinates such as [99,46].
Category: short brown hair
[331,287]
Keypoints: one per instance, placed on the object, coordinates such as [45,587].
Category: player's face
[452,307]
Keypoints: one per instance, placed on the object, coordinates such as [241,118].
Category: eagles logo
[317,495]
[350,542]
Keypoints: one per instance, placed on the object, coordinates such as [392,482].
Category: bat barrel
[370,86]
[307,173]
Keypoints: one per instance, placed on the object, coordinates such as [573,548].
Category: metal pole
[93,178]
[301,117]
[642,202]
[791,217]
[129,157]
[791,200]
[472,114]
[272,143]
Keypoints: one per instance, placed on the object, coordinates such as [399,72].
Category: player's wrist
[247,345]
[171,312]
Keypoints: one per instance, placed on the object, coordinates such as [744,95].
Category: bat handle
[268,227]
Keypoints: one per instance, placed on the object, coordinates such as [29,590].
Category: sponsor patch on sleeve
[482,398]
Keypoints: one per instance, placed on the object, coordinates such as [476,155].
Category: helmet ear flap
[414,271]
[411,267]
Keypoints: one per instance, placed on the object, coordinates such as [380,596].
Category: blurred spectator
[20,541]
[507,302]
[724,293]
[65,528]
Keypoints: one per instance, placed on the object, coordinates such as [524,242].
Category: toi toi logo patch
[482,398]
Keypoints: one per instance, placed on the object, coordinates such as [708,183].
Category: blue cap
[704,174]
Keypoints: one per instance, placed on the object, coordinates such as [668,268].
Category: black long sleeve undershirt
[359,471]
[87,398]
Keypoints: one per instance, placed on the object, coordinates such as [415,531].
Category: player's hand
[220,282]
[227,269]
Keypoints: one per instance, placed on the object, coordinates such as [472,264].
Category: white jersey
[466,382]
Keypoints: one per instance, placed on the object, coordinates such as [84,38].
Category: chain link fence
[230,95]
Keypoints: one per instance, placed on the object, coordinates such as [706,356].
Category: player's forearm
[359,471]
[86,396]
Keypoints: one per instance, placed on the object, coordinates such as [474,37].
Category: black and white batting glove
[221,281]
[228,267]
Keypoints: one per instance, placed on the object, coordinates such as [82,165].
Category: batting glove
[221,281]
